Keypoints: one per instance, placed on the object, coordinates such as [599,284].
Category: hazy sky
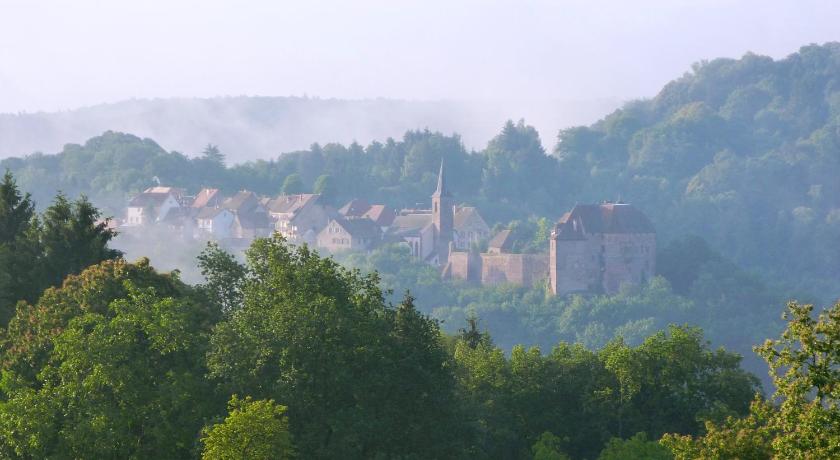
[65,54]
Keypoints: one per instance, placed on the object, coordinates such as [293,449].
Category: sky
[58,55]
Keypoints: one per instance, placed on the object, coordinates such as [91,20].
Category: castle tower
[443,213]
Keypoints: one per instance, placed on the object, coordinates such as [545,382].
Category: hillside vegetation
[744,153]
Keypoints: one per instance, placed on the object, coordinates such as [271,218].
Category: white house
[215,222]
[152,205]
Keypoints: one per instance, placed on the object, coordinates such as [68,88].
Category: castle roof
[590,219]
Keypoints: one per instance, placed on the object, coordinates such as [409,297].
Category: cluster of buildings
[592,248]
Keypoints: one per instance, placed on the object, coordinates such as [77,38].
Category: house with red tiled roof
[299,218]
[345,234]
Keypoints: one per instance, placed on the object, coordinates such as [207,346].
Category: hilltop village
[592,248]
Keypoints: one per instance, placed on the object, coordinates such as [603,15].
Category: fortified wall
[490,269]
[592,249]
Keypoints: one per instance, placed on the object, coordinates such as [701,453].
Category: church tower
[443,212]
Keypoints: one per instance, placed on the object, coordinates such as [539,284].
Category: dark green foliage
[323,341]
[224,277]
[17,253]
[293,185]
[38,252]
[254,430]
[72,238]
[741,151]
[582,398]
[119,373]
[639,447]
[325,186]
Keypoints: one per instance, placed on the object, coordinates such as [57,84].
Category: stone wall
[465,266]
[628,258]
[602,262]
[519,269]
[597,263]
[574,266]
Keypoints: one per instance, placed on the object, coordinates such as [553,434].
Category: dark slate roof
[503,241]
[464,213]
[356,207]
[253,220]
[602,218]
[290,204]
[410,223]
[381,214]
[360,227]
[208,212]
[178,215]
[242,201]
[148,199]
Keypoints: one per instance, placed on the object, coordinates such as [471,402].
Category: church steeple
[441,190]
[443,213]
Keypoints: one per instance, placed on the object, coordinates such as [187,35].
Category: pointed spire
[441,190]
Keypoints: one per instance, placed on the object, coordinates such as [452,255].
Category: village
[594,248]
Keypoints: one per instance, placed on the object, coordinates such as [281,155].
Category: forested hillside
[744,153]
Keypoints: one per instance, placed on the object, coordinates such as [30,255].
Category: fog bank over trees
[250,128]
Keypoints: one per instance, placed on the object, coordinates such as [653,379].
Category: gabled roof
[242,201]
[410,223]
[145,199]
[291,204]
[602,218]
[356,207]
[253,220]
[206,197]
[360,227]
[502,241]
[177,216]
[209,212]
[165,190]
[463,214]
[380,214]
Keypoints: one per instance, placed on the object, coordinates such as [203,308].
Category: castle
[593,248]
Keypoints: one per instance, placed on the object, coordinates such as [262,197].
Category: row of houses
[302,218]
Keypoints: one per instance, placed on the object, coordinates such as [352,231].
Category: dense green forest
[291,354]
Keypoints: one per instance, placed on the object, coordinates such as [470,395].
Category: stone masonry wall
[628,258]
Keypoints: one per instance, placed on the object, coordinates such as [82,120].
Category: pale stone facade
[597,248]
[593,249]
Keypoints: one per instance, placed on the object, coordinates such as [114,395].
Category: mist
[249,128]
[338,72]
